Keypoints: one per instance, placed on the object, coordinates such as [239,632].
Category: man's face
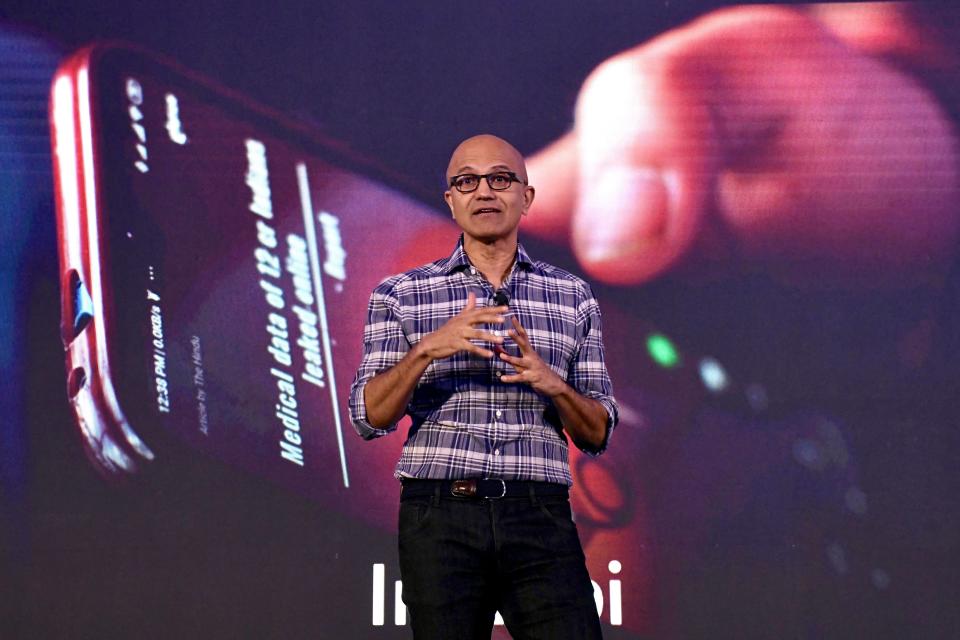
[485,214]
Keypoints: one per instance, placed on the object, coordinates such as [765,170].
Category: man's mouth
[486,210]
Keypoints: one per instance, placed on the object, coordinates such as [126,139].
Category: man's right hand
[455,335]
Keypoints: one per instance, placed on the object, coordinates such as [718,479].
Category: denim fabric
[461,560]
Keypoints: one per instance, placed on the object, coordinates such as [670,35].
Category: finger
[471,303]
[517,377]
[555,173]
[480,351]
[522,344]
[486,336]
[517,326]
[483,317]
[519,334]
[642,163]
[495,311]
[515,361]
[744,101]
[646,161]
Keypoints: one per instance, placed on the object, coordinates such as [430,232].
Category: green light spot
[662,350]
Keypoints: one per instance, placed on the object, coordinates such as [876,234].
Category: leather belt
[480,488]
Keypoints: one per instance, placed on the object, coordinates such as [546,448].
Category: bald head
[485,153]
[490,213]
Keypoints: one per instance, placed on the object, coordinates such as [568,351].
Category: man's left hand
[531,369]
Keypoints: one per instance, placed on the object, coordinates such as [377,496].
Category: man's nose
[483,189]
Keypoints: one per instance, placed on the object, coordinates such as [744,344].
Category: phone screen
[236,256]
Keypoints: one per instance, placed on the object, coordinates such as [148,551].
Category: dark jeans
[463,559]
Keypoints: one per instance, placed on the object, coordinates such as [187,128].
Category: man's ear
[448,197]
[528,195]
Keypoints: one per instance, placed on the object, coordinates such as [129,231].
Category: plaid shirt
[466,423]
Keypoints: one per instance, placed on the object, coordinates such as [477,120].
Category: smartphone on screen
[216,263]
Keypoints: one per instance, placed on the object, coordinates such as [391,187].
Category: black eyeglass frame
[486,176]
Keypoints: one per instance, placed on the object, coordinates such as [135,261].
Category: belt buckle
[464,488]
[503,489]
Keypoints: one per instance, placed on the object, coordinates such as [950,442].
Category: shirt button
[499,413]
[496,452]
[499,373]
[473,270]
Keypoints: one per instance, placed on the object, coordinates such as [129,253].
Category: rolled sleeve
[588,370]
[384,345]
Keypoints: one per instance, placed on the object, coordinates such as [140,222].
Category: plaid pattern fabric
[466,423]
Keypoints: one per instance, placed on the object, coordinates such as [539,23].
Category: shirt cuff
[358,416]
[613,416]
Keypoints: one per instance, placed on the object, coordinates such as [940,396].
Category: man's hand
[388,393]
[531,369]
[455,335]
[757,135]
[583,418]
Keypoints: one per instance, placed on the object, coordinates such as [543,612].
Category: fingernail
[622,210]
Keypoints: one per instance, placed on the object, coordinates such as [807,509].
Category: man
[485,520]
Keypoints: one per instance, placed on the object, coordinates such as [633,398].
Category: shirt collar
[459,260]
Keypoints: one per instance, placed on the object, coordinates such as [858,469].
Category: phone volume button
[80,311]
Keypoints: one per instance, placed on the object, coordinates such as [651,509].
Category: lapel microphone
[501,298]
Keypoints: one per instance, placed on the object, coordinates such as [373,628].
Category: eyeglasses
[498,181]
